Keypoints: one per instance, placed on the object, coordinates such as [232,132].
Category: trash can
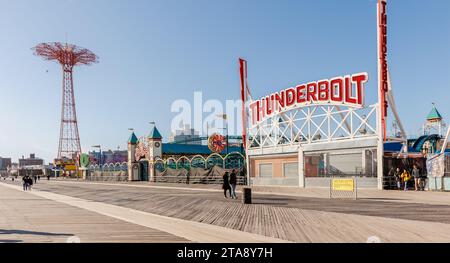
[247,198]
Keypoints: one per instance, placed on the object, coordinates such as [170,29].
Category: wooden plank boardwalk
[289,218]
[31,219]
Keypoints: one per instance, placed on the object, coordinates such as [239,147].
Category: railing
[106,176]
[390,183]
[216,180]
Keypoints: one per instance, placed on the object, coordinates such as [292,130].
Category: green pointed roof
[434,114]
[133,139]
[154,134]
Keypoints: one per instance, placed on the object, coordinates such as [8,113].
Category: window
[341,163]
[265,170]
[344,164]
[290,170]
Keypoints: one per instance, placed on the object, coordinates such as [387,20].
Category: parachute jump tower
[68,56]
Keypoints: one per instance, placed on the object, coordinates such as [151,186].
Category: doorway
[143,171]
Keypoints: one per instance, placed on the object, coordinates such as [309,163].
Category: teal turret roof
[133,139]
[154,134]
[434,114]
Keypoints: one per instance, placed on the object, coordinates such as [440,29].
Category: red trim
[243,74]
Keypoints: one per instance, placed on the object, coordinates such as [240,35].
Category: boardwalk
[28,218]
[292,218]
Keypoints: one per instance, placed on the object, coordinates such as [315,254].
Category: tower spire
[68,56]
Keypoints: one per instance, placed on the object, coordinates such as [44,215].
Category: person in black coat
[25,182]
[226,185]
[30,182]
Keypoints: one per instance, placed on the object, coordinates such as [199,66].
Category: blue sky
[155,52]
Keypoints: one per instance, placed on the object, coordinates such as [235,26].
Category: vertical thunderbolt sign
[382,64]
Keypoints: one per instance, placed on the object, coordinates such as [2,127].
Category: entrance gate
[143,171]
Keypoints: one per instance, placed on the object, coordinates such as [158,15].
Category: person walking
[233,183]
[416,176]
[25,182]
[398,179]
[226,184]
[423,182]
[30,183]
[405,178]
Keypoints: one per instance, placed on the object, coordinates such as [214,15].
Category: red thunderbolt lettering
[360,79]
[348,90]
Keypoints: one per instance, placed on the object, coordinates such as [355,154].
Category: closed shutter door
[265,170]
[291,170]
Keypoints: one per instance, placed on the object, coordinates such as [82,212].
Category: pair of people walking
[27,182]
[229,184]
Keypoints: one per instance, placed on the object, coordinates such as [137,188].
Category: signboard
[84,160]
[382,63]
[436,166]
[343,185]
[217,143]
[340,91]
[70,168]
[343,188]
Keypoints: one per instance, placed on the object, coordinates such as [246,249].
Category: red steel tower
[68,56]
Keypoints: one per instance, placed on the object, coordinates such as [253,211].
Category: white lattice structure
[314,124]
[342,140]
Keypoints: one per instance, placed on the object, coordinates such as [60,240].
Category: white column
[248,166]
[380,150]
[131,161]
[446,141]
[151,171]
[301,168]
[364,162]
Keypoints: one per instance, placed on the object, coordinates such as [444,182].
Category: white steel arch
[314,124]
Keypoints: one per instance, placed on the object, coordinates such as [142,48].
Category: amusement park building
[146,153]
[4,163]
[32,160]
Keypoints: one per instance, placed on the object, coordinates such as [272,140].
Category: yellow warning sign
[343,185]
[70,168]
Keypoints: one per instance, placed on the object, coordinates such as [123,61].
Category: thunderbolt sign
[339,91]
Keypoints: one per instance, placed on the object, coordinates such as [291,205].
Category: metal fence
[117,172]
[241,180]
[344,187]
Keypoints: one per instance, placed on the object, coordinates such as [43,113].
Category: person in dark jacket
[25,182]
[233,183]
[226,184]
[30,182]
